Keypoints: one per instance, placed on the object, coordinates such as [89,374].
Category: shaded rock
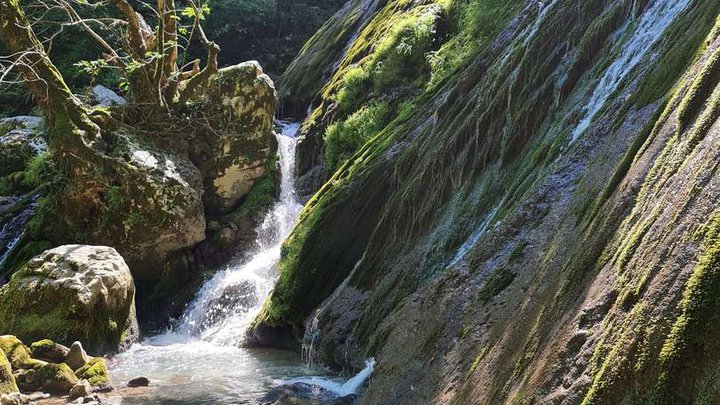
[81,390]
[71,293]
[77,357]
[242,100]
[20,142]
[7,380]
[49,351]
[104,97]
[138,382]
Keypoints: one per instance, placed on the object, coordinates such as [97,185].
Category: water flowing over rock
[536,222]
[71,293]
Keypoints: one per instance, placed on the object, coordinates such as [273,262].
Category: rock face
[20,142]
[241,101]
[540,226]
[73,292]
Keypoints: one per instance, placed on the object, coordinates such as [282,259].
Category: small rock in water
[77,357]
[80,390]
[302,392]
[138,382]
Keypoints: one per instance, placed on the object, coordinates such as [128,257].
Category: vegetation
[343,139]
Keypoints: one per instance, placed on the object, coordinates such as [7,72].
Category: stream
[200,361]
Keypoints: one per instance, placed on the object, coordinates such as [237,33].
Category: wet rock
[49,351]
[305,393]
[138,382]
[77,357]
[81,390]
[71,293]
[104,97]
[236,298]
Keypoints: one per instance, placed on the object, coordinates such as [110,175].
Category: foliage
[343,138]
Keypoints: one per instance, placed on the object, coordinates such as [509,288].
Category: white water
[200,360]
[351,386]
[645,33]
[475,236]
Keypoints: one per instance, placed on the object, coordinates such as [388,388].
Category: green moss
[15,351]
[95,371]
[517,251]
[495,284]
[344,138]
[56,378]
[699,92]
[258,199]
[7,379]
[693,330]
[685,41]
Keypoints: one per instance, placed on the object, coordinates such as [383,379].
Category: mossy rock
[70,293]
[57,378]
[48,350]
[95,371]
[7,380]
[15,351]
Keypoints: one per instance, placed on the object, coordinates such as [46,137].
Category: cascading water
[643,34]
[199,361]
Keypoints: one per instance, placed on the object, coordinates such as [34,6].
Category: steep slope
[535,221]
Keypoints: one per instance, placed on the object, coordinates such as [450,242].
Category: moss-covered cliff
[533,219]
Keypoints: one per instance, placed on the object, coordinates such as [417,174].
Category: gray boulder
[71,293]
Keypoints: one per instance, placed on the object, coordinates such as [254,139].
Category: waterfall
[12,231]
[645,33]
[200,361]
[227,303]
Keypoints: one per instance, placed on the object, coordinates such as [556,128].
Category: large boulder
[20,142]
[239,105]
[70,293]
[143,200]
[7,380]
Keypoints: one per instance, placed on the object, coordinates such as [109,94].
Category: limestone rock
[77,357]
[81,390]
[7,380]
[72,292]
[104,97]
[242,101]
[19,143]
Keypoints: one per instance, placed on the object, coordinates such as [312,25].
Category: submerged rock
[138,382]
[71,293]
[305,394]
